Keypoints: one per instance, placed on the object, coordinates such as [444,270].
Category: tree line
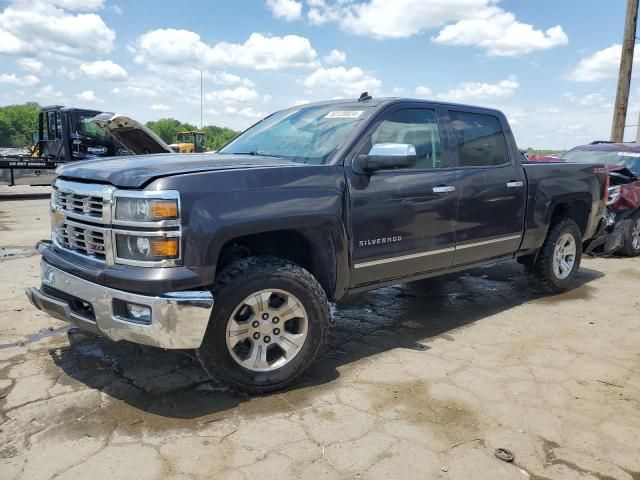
[18,122]
[168,128]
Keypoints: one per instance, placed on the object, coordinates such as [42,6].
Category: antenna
[364,97]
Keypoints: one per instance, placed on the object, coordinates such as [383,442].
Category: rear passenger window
[415,126]
[480,139]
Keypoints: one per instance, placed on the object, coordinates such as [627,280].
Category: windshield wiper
[254,153]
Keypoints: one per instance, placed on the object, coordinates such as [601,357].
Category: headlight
[130,209]
[614,194]
[147,230]
[146,248]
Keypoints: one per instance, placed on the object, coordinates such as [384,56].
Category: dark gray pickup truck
[238,253]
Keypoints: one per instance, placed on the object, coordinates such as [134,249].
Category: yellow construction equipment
[189,142]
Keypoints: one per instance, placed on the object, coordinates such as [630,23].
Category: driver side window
[415,126]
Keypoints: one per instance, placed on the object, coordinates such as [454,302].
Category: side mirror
[385,156]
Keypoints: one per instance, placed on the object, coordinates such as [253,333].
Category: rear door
[403,221]
[492,187]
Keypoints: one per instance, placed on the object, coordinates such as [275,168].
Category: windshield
[631,160]
[303,135]
[185,138]
[84,127]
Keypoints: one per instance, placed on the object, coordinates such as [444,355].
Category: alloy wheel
[267,330]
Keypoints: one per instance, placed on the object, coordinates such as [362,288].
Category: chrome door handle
[444,189]
[515,184]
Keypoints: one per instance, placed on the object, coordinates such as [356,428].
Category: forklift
[189,142]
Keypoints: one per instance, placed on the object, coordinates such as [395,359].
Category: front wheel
[269,324]
[631,238]
[558,261]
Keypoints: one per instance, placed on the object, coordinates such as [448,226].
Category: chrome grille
[85,205]
[83,239]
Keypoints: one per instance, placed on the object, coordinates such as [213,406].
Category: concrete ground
[421,381]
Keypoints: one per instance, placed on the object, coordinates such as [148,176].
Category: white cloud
[10,44]
[39,26]
[238,94]
[422,91]
[88,96]
[287,9]
[226,78]
[68,73]
[471,91]
[30,64]
[246,112]
[103,70]
[390,19]
[596,99]
[49,94]
[500,34]
[135,91]
[600,65]
[13,79]
[79,5]
[335,57]
[463,22]
[117,9]
[340,80]
[160,107]
[260,52]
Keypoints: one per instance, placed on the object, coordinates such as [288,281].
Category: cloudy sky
[550,65]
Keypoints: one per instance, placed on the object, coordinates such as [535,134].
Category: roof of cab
[380,102]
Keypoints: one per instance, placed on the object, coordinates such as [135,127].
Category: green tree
[17,122]
[216,137]
[168,128]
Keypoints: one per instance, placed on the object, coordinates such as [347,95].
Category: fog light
[47,275]
[139,313]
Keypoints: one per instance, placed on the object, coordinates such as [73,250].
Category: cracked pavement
[423,380]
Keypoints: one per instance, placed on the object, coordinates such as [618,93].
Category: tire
[548,274]
[631,238]
[231,355]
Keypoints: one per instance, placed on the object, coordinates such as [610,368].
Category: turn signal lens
[164,209]
[165,247]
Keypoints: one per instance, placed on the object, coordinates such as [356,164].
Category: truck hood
[133,135]
[138,170]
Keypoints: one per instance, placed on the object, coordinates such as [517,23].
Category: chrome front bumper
[178,319]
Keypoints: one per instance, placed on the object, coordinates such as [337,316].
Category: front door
[403,221]
[492,189]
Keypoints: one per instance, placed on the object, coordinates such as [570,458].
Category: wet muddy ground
[423,381]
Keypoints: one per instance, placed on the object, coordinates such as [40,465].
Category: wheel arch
[316,249]
[576,207]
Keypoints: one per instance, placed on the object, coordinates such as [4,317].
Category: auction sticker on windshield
[344,114]
[629,154]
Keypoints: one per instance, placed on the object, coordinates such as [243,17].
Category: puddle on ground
[15,252]
[34,337]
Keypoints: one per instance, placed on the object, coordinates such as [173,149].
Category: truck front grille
[83,239]
[84,205]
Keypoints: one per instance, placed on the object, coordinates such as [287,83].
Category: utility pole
[201,98]
[624,78]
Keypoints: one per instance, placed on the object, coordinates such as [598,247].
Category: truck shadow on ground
[172,385]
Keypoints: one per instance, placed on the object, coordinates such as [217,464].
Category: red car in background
[621,231]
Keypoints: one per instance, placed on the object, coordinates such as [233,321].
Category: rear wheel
[269,324]
[559,258]
[631,238]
